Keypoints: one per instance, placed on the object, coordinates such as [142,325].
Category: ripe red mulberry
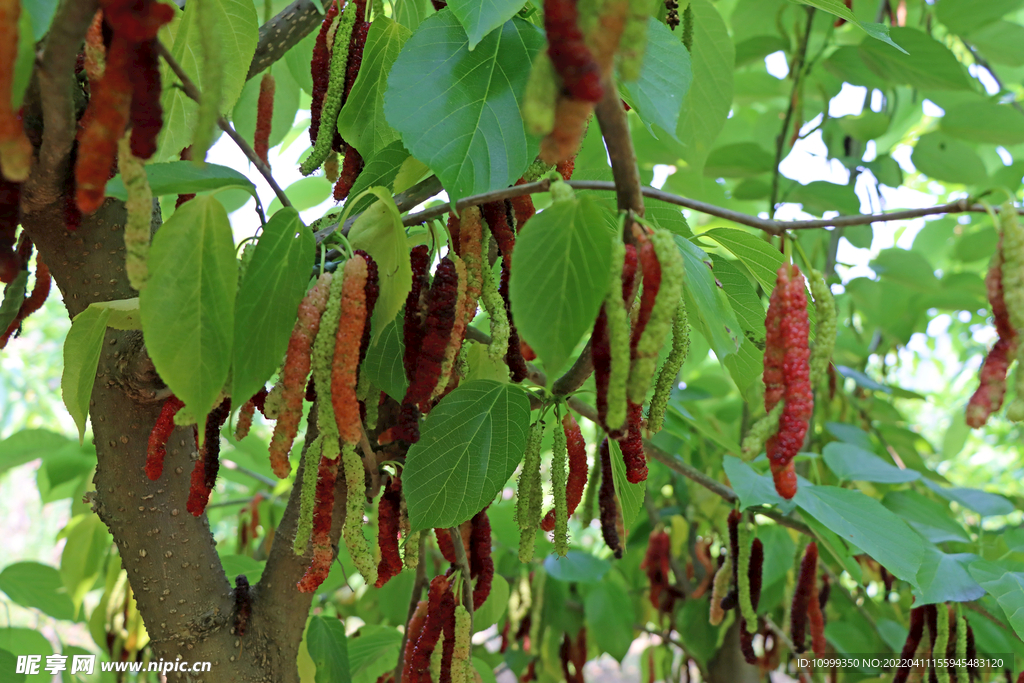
[162,429]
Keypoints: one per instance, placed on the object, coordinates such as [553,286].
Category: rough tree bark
[170,556]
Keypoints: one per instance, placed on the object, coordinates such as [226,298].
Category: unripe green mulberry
[618,341]
[321,359]
[335,92]
[540,96]
[559,454]
[529,493]
[634,39]
[743,578]
[645,359]
[495,307]
[670,370]
[941,641]
[1013,292]
[352,531]
[762,430]
[720,588]
[307,497]
[961,655]
[140,214]
[825,334]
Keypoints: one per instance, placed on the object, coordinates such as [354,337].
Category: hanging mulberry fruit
[204,474]
[670,370]
[352,531]
[248,411]
[608,504]
[577,479]
[610,341]
[162,429]
[323,550]
[139,207]
[572,59]
[805,584]
[320,67]
[264,117]
[389,510]
[15,148]
[348,340]
[441,303]
[480,561]
[632,445]
[528,495]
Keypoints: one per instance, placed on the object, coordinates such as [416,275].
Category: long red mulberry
[248,411]
[348,339]
[351,167]
[608,503]
[323,551]
[988,398]
[481,563]
[264,117]
[572,59]
[146,114]
[412,634]
[610,350]
[162,429]
[805,585]
[204,474]
[437,329]
[389,510]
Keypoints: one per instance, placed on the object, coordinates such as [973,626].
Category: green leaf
[381,169]
[608,623]
[373,648]
[933,520]
[984,503]
[458,111]
[383,364]
[865,126]
[707,104]
[40,13]
[716,320]
[494,606]
[925,64]
[236,30]
[188,306]
[838,8]
[1006,585]
[14,296]
[577,567]
[820,196]
[81,562]
[82,349]
[286,104]
[984,121]
[855,464]
[470,444]
[738,160]
[745,303]
[665,77]
[560,274]
[481,17]
[850,434]
[304,193]
[25,640]
[949,160]
[29,444]
[965,16]
[184,177]
[758,256]
[268,301]
[945,578]
[361,122]
[38,586]
[631,496]
[379,232]
[328,648]
[411,13]
[242,564]
[124,313]
[862,521]
[907,268]
[1001,42]
[752,488]
[9,663]
[778,553]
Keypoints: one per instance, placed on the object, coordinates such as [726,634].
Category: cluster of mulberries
[323,550]
[657,565]
[15,148]
[438,616]
[576,480]
[499,217]
[609,341]
[787,374]
[127,94]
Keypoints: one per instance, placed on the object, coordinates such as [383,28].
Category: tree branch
[193,92]
[56,77]
[615,130]
[282,33]
[780,142]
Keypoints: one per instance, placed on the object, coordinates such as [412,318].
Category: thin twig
[462,561]
[773,227]
[780,142]
[192,91]
[234,466]
[56,75]
[615,129]
[417,591]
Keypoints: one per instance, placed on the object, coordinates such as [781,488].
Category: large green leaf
[379,232]
[480,17]
[714,316]
[610,625]
[187,308]
[577,567]
[236,31]
[631,496]
[752,488]
[758,256]
[381,169]
[665,76]
[1001,42]
[28,444]
[1003,582]
[328,648]
[925,63]
[855,464]
[268,299]
[738,160]
[745,303]
[947,159]
[470,444]
[560,274]
[373,648]
[383,364]
[931,519]
[709,99]
[984,121]
[944,578]
[965,16]
[81,562]
[494,606]
[184,177]
[31,584]
[82,349]
[982,502]
[362,121]
[458,111]
[863,522]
